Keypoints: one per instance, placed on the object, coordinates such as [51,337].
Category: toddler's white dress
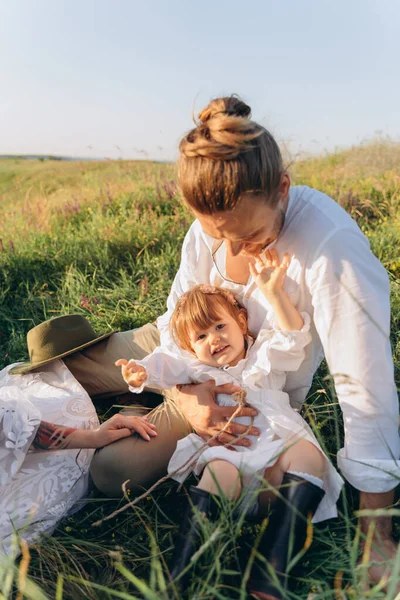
[37,489]
[262,374]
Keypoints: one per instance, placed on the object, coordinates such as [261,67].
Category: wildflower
[85,302]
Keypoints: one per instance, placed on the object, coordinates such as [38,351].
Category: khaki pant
[130,458]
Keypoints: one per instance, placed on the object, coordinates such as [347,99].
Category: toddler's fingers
[260,265]
[253,270]
[274,257]
[269,258]
[121,362]
[134,369]
[286,261]
[262,259]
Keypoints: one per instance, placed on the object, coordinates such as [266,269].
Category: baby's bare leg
[221,476]
[302,457]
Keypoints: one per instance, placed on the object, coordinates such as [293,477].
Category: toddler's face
[222,343]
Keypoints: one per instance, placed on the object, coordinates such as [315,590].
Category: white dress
[37,489]
[262,375]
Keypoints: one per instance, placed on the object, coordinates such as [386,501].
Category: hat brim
[26,367]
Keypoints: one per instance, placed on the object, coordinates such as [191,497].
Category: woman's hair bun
[231,106]
[227,155]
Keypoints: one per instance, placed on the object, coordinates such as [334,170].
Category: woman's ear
[243,321]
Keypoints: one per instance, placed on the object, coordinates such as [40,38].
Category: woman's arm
[351,297]
[50,436]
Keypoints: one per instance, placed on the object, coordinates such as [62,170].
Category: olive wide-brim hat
[57,338]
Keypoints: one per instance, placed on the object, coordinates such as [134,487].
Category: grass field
[103,239]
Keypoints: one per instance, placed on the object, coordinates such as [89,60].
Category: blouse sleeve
[351,298]
[285,349]
[164,370]
[275,352]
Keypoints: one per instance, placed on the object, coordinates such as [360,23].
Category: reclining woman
[48,432]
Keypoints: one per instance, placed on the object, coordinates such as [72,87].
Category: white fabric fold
[369,475]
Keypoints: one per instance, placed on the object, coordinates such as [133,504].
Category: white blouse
[264,367]
[334,277]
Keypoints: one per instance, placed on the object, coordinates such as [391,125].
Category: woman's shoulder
[310,208]
[196,236]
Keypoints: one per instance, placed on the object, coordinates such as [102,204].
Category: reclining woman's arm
[50,436]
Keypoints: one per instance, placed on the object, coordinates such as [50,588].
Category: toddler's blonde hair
[199,308]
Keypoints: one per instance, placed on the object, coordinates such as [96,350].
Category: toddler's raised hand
[135,375]
[269,272]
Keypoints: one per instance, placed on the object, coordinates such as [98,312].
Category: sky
[121,78]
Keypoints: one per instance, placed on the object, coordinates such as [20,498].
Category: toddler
[210,325]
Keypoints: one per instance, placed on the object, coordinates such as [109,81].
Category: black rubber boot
[187,541]
[285,535]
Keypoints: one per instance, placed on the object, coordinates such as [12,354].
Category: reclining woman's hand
[51,436]
[197,403]
[135,375]
[120,426]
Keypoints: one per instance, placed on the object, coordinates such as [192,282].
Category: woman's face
[250,225]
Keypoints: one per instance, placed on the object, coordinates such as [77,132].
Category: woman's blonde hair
[226,156]
[198,309]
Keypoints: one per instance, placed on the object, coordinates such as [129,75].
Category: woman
[232,176]
[48,432]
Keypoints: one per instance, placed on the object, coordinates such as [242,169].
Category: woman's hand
[121,426]
[269,272]
[135,375]
[197,403]
[50,436]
